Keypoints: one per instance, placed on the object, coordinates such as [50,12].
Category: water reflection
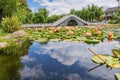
[10,62]
[65,61]
[9,66]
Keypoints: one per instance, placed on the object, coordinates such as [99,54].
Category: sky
[64,6]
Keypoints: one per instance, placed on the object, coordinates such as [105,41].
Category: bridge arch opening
[72,23]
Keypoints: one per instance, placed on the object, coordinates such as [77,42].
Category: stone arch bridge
[68,20]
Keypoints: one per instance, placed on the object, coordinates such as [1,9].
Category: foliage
[53,18]
[19,8]
[2,33]
[116,53]
[24,15]
[66,33]
[117,76]
[40,16]
[109,61]
[29,18]
[8,7]
[16,48]
[115,18]
[90,13]
[111,21]
[37,18]
[88,41]
[23,12]
[11,24]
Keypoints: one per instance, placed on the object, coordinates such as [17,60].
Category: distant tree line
[91,13]
[20,9]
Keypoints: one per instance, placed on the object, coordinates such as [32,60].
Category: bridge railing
[36,25]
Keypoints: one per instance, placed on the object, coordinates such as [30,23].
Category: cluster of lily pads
[86,34]
[109,61]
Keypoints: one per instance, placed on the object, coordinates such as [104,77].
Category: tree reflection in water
[9,67]
[10,62]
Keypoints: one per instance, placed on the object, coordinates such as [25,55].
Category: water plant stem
[96,55]
[95,67]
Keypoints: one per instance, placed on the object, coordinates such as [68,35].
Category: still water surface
[65,61]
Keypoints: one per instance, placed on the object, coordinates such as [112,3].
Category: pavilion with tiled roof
[110,11]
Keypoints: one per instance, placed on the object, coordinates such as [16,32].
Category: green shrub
[111,22]
[16,49]
[10,24]
[2,33]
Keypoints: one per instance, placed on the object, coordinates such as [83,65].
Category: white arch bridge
[68,20]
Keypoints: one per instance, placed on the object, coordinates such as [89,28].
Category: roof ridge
[112,9]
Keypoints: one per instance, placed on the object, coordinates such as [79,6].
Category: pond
[65,61]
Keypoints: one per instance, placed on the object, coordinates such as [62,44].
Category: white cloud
[33,9]
[68,53]
[74,77]
[27,59]
[64,6]
[34,73]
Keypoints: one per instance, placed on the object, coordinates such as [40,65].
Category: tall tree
[8,7]
[41,16]
[72,11]
[90,13]
[37,18]
[23,12]
[44,14]
[19,8]
[53,18]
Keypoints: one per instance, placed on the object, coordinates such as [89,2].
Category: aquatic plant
[110,34]
[65,33]
[16,48]
[10,25]
[109,61]
[117,76]
[88,34]
[70,33]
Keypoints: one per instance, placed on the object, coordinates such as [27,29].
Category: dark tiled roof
[112,9]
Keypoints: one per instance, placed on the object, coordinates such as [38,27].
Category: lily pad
[80,38]
[54,40]
[113,63]
[117,65]
[92,41]
[97,60]
[116,53]
[117,76]
[117,46]
[42,40]
[109,61]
